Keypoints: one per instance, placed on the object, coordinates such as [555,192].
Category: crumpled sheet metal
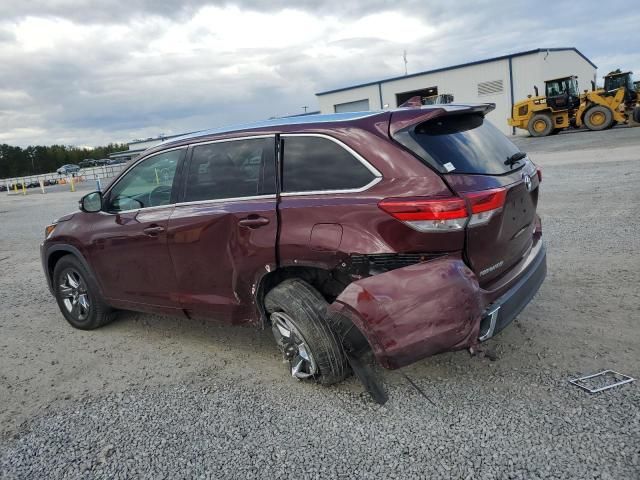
[417,311]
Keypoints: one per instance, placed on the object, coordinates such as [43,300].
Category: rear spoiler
[402,120]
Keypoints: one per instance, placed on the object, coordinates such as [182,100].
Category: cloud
[80,72]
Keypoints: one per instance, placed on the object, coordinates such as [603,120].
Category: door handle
[253,221]
[153,230]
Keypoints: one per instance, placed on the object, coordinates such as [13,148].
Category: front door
[128,248]
[222,235]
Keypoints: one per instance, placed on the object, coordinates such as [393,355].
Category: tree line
[33,160]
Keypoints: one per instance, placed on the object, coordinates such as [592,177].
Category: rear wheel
[636,114]
[540,125]
[297,312]
[78,296]
[598,118]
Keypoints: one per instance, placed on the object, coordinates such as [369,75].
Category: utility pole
[404,58]
[305,108]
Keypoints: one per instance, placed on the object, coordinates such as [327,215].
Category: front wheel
[598,118]
[311,348]
[77,295]
[540,125]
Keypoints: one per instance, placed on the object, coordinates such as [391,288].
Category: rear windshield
[466,143]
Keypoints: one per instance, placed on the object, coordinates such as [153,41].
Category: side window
[235,168]
[148,184]
[318,164]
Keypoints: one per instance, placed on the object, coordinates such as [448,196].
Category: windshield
[560,87]
[615,82]
[465,143]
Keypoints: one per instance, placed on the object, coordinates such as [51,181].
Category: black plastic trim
[47,251]
[516,298]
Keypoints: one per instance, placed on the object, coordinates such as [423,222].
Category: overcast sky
[88,73]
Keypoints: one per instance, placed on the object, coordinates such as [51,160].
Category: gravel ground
[151,396]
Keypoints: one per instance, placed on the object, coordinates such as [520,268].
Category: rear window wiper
[516,157]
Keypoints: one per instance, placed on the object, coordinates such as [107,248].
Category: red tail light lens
[539,172]
[428,215]
[485,204]
[486,200]
[446,214]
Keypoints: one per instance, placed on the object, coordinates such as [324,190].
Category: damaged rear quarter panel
[417,311]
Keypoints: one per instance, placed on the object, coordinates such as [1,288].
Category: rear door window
[466,143]
[318,164]
[231,169]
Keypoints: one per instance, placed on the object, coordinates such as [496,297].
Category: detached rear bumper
[421,310]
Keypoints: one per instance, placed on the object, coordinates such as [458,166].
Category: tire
[636,114]
[540,125]
[598,118]
[89,314]
[296,307]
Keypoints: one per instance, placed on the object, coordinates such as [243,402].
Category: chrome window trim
[225,200]
[146,209]
[376,173]
[195,202]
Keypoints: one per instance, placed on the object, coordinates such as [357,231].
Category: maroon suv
[407,232]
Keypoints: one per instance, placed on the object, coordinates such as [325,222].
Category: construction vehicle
[563,106]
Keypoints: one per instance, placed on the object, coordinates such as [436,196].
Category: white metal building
[500,80]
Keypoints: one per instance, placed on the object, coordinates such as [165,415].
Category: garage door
[357,106]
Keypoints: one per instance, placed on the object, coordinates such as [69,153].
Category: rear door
[478,163]
[222,234]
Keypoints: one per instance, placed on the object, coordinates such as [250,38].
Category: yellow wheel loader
[563,106]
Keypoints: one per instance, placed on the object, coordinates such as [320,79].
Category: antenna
[404,58]
[305,109]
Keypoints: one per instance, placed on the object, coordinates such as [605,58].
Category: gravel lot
[157,397]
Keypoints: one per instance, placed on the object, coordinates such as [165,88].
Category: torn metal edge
[626,379]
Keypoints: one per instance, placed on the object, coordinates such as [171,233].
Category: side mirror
[91,202]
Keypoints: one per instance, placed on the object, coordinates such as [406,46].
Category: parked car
[67,169]
[116,161]
[87,163]
[101,162]
[407,233]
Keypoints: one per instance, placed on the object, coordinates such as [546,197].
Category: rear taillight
[428,215]
[485,204]
[446,214]
[539,172]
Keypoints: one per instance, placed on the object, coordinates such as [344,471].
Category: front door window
[148,184]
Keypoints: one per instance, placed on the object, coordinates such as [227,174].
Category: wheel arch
[330,283]
[55,253]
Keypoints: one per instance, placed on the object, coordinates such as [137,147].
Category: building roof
[462,65]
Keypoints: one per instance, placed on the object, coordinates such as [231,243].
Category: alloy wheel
[74,295]
[293,346]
